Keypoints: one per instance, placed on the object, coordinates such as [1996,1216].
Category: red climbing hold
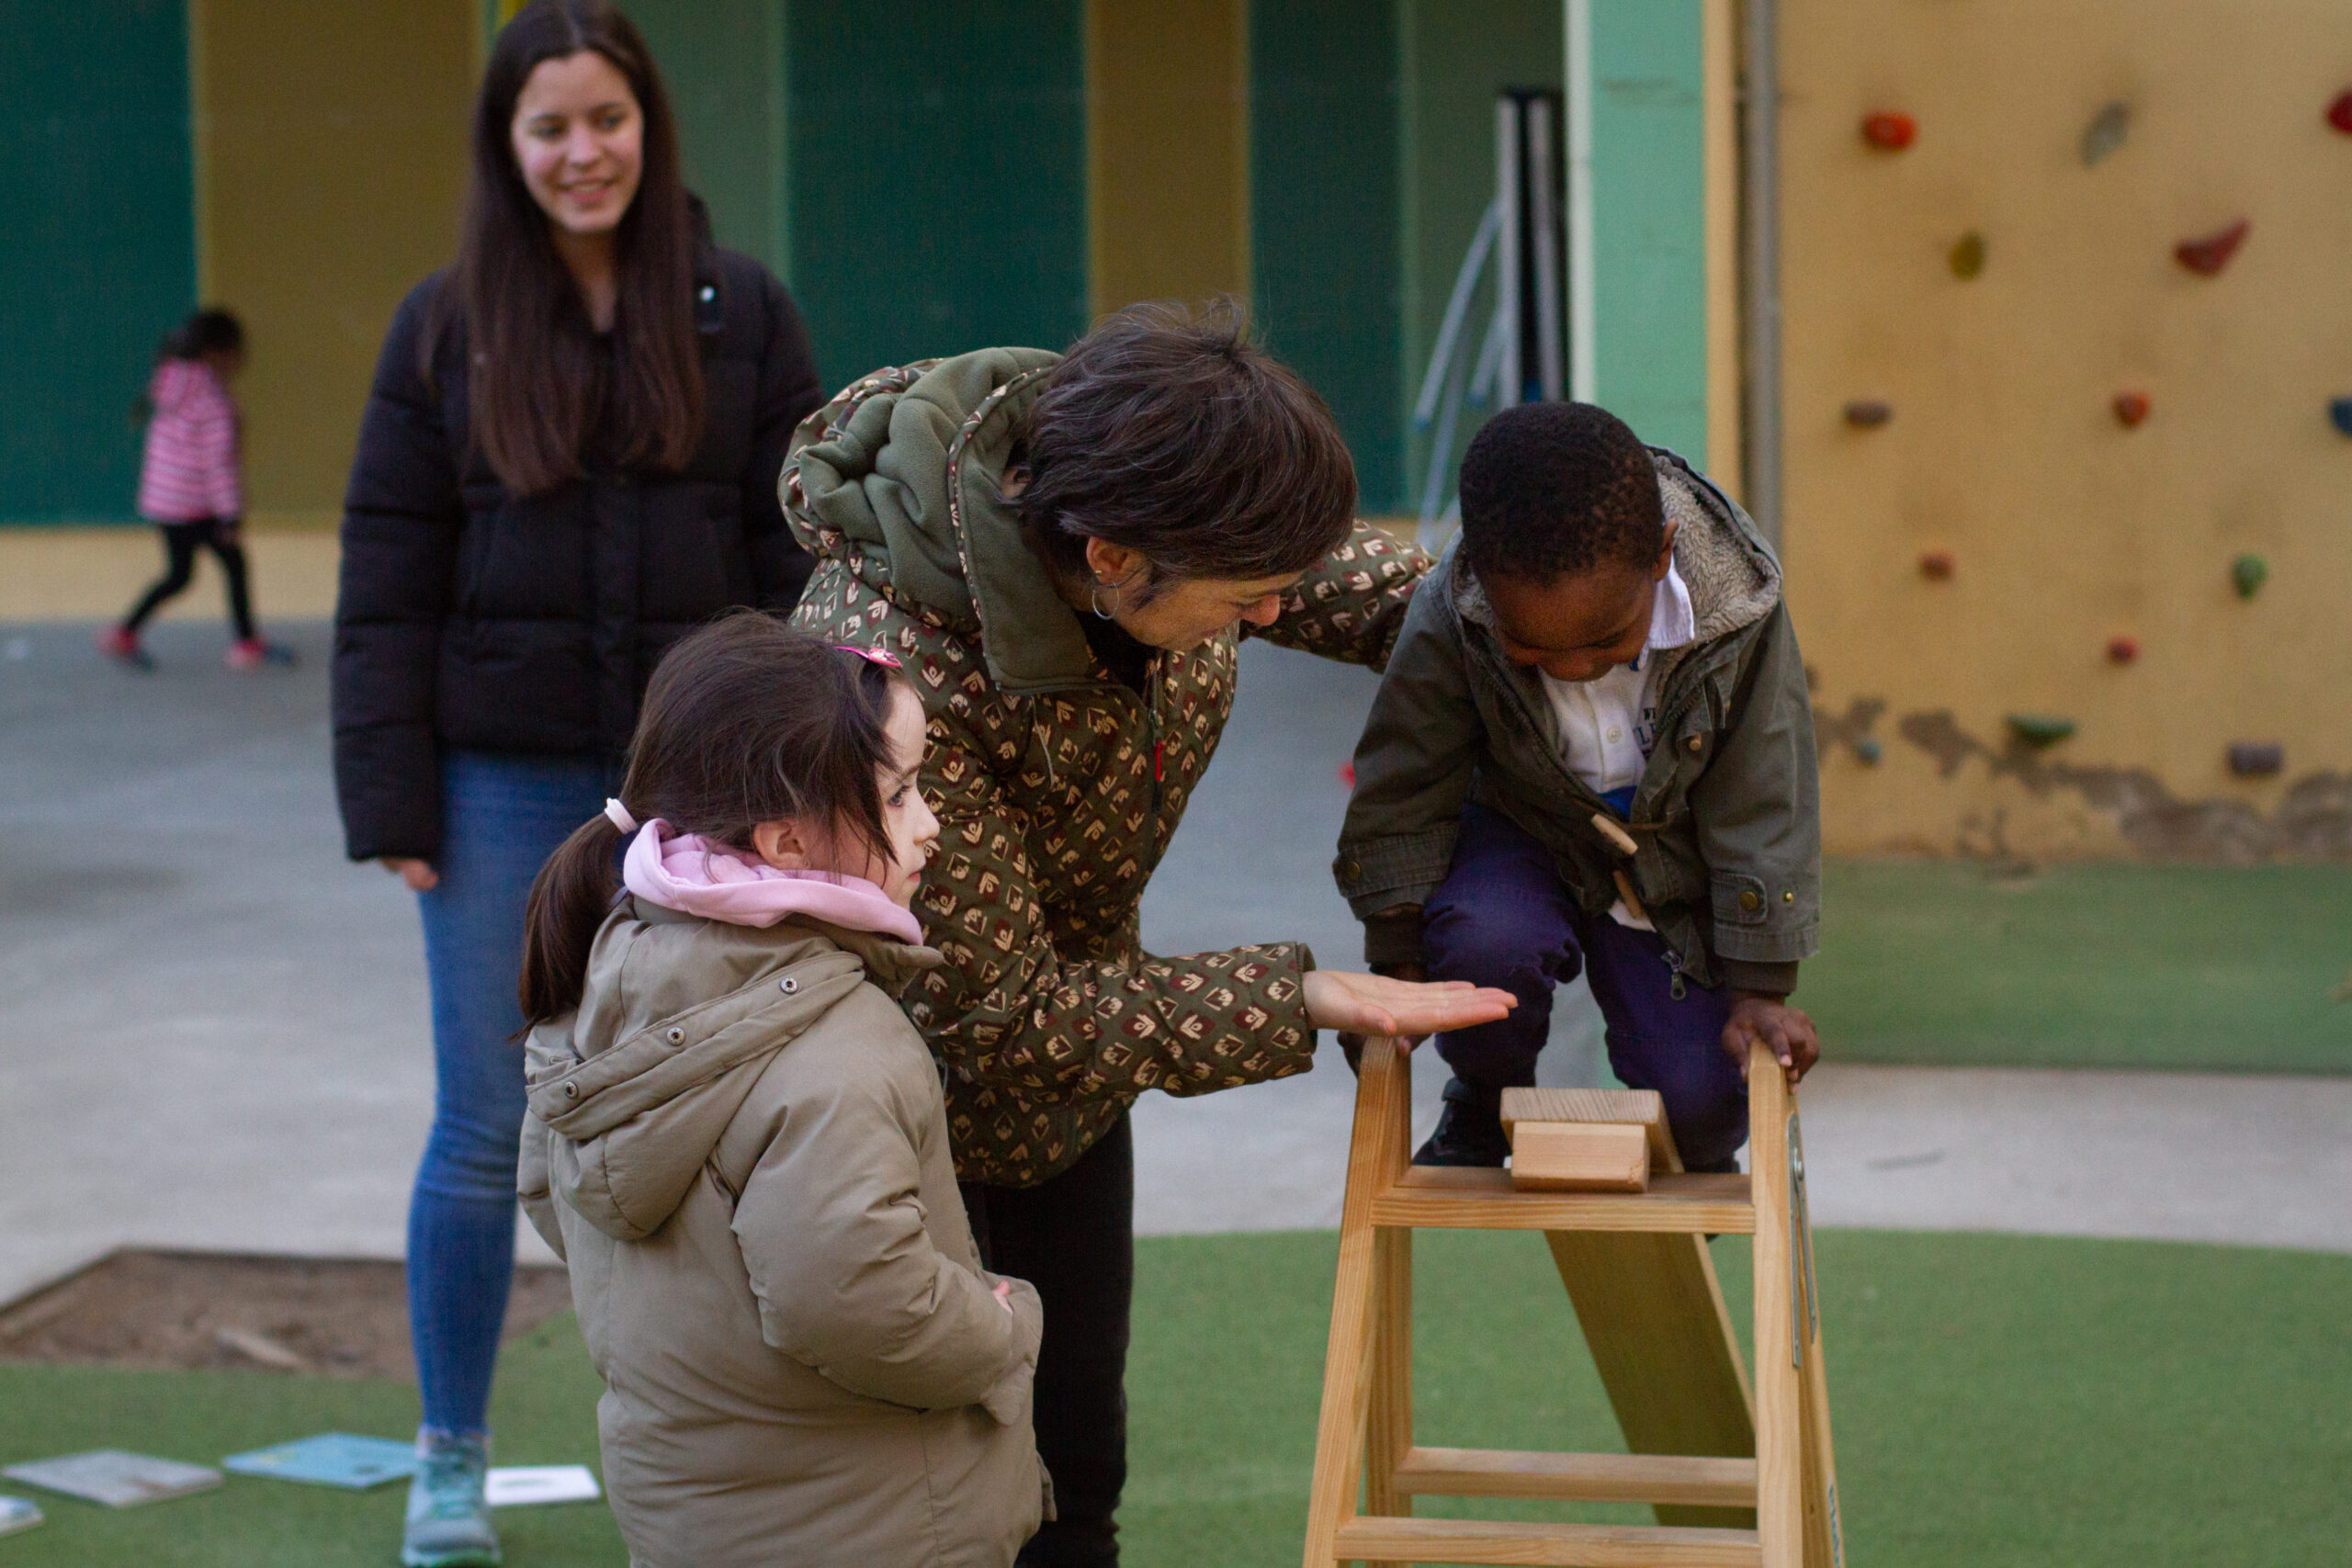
[1937,565]
[2209,254]
[1868,414]
[1889,131]
[2339,113]
[2123,649]
[2131,407]
[1347,775]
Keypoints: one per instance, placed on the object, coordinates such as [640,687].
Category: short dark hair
[1551,490]
[209,331]
[745,721]
[1171,432]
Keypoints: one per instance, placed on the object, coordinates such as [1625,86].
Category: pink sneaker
[254,652]
[124,648]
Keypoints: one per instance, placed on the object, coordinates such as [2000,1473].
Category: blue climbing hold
[2339,414]
[1868,751]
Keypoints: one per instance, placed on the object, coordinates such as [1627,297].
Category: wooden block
[1581,1157]
[1637,1105]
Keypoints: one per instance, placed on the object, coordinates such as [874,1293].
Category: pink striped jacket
[191,469]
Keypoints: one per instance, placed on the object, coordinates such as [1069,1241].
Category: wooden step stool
[1738,1480]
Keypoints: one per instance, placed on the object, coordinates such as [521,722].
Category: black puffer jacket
[473,619]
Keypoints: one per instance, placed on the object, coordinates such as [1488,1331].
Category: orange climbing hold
[1889,131]
[2210,253]
[1937,565]
[2339,113]
[2131,407]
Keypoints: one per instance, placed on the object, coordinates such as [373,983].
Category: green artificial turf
[544,1410]
[1998,1400]
[2170,968]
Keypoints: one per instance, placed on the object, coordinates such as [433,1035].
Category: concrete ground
[216,1035]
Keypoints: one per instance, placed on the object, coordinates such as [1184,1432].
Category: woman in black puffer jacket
[569,461]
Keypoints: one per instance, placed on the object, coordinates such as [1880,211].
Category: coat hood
[906,488]
[1733,577]
[678,1018]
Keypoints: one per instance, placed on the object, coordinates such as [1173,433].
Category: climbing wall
[2067,303]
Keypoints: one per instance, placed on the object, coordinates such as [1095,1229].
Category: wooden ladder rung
[1374,1538]
[1578,1478]
[1472,1198]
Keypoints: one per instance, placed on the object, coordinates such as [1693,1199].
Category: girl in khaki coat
[739,1143]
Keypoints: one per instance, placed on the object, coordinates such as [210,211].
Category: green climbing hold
[2041,728]
[2105,132]
[1968,255]
[2249,573]
[1868,751]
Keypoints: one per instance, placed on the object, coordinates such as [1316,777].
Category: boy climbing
[1593,749]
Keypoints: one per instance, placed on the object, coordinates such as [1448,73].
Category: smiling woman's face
[579,141]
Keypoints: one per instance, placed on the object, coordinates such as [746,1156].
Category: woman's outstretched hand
[1373,1004]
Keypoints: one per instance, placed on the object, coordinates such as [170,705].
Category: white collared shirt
[1608,726]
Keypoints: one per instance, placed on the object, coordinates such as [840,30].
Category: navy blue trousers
[1504,919]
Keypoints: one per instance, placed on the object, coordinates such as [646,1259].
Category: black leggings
[181,541]
[1073,1236]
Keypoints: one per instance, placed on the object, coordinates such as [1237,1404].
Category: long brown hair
[538,385]
[745,721]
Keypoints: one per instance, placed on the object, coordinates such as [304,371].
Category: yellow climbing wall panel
[2065,529]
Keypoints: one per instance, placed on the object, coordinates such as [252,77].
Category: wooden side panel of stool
[1654,1318]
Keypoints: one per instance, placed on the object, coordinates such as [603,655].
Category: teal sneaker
[449,1517]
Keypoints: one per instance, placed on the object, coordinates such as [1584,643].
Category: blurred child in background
[191,483]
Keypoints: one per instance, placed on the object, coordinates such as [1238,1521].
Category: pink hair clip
[871,655]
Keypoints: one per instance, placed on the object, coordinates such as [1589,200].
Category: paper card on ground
[17,1514]
[331,1459]
[115,1478]
[511,1485]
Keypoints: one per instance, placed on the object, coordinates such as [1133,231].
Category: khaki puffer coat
[738,1145]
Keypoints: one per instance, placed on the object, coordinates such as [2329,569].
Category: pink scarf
[693,876]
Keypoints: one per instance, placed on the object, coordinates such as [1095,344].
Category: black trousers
[1073,1236]
[181,541]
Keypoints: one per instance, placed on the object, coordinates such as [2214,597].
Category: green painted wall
[1458,54]
[723,63]
[1324,215]
[1649,220]
[100,258]
[938,190]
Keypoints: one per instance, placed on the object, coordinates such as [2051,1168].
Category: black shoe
[1469,1130]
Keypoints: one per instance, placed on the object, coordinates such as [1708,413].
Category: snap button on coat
[1750,900]
[788,985]
[675,1035]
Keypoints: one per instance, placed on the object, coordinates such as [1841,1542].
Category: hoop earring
[1095,597]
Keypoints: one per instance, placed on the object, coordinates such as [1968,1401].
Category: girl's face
[911,830]
[579,141]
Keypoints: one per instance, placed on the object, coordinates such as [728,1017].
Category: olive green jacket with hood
[1727,819]
[1057,787]
[738,1144]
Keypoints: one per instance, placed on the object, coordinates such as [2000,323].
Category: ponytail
[570,899]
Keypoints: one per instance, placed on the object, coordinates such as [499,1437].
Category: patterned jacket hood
[912,483]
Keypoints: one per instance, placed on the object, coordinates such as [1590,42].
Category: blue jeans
[1504,919]
[503,816]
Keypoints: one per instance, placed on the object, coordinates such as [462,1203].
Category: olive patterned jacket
[1058,788]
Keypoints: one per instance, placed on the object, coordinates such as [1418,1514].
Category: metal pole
[1760,219]
[1584,314]
[1508,190]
